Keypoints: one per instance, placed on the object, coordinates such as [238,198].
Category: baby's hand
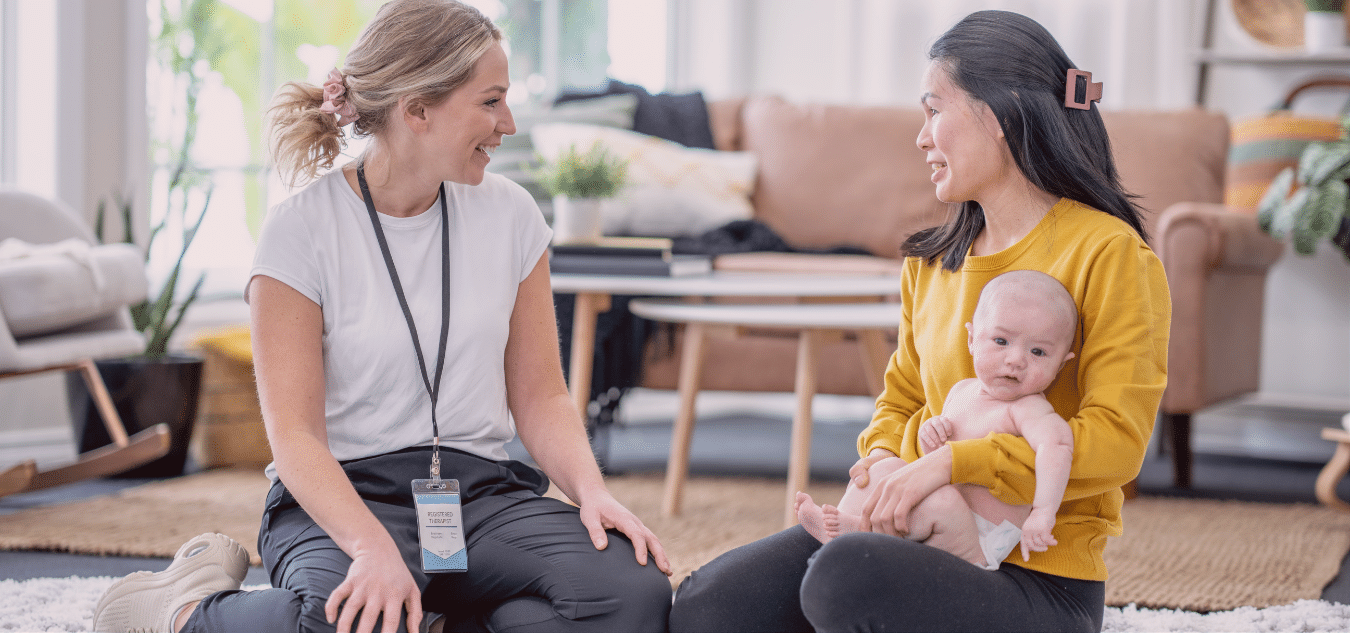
[934,433]
[1036,532]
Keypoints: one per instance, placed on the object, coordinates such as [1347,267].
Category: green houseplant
[156,386]
[1309,202]
[579,181]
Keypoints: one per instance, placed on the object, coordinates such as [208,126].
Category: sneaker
[146,602]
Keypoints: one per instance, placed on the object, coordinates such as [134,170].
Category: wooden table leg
[875,356]
[691,374]
[1334,471]
[588,307]
[799,459]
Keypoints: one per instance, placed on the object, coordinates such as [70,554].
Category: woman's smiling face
[471,122]
[962,139]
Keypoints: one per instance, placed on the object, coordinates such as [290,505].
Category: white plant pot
[1323,31]
[576,219]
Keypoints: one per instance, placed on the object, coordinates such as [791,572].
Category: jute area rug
[1193,555]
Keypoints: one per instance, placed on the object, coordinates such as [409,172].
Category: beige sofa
[834,175]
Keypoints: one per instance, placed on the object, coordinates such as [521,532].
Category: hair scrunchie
[335,101]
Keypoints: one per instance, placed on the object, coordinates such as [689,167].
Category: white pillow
[672,190]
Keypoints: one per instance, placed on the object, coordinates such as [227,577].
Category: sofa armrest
[1216,261]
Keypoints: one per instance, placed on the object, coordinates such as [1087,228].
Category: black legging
[532,566]
[874,582]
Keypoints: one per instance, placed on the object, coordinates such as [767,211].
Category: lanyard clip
[435,460]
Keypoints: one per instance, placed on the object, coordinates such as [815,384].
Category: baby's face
[1018,347]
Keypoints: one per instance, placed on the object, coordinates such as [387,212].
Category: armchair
[63,304]
[1216,260]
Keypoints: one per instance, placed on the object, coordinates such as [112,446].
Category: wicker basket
[229,428]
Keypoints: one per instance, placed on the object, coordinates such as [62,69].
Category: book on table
[619,246]
[647,256]
[644,265]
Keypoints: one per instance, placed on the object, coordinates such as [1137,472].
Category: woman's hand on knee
[378,582]
[858,472]
[605,512]
[895,495]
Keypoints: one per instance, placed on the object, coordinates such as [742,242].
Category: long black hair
[1013,65]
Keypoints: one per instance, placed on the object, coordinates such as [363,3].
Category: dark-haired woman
[1014,139]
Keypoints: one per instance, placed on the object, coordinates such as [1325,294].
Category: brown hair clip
[1092,92]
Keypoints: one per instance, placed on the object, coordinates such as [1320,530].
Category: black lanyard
[433,388]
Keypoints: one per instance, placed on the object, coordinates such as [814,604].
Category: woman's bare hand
[605,512]
[894,496]
[378,582]
[857,473]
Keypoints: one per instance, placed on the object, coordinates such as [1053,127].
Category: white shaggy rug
[67,604]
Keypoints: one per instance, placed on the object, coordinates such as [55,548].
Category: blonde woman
[402,324]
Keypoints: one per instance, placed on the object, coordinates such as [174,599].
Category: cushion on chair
[50,287]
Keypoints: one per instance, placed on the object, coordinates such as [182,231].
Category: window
[28,59]
[215,64]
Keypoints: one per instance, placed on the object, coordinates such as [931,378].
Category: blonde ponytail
[304,140]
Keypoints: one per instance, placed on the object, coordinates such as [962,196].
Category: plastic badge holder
[440,525]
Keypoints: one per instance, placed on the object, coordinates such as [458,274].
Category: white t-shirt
[321,243]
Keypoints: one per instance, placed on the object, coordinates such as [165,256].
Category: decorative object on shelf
[1262,146]
[1272,22]
[579,182]
[1324,25]
[1308,203]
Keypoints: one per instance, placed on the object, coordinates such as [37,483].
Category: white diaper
[997,541]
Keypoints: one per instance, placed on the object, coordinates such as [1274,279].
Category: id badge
[440,525]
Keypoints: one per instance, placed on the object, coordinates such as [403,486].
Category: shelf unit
[1206,56]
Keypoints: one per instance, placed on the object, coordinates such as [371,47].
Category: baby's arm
[940,429]
[1052,439]
[935,432]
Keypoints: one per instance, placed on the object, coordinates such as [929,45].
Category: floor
[729,441]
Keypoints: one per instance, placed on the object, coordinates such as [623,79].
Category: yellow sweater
[1109,392]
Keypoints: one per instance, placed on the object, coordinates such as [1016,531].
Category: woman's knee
[610,591]
[841,579]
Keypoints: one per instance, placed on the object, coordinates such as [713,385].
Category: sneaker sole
[215,549]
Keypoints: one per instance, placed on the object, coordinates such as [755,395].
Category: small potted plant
[578,182]
[1309,203]
[1324,25]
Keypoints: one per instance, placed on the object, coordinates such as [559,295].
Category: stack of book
[646,256]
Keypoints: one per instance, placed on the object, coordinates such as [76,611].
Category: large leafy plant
[1309,203]
[594,173]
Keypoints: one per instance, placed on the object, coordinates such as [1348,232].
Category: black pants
[874,582]
[532,566]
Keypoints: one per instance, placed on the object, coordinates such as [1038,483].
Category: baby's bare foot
[837,522]
[809,515]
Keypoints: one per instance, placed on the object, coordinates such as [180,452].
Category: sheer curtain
[874,51]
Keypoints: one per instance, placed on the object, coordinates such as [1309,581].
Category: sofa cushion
[50,287]
[1167,157]
[833,175]
[724,117]
[672,190]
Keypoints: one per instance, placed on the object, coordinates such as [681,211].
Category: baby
[1019,337]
